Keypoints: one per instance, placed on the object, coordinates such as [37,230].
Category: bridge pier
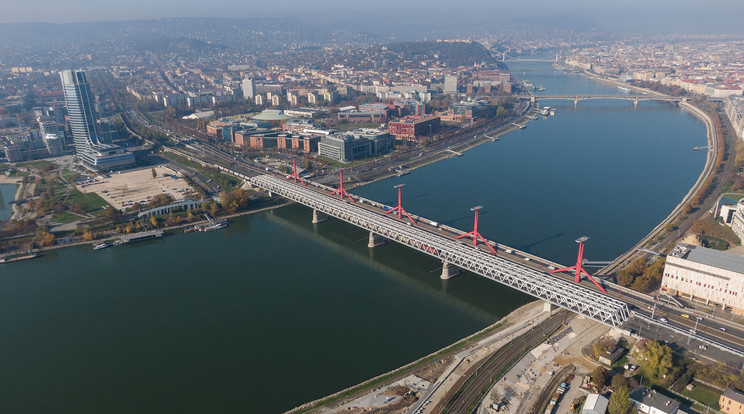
[319,217]
[549,307]
[449,271]
[576,102]
[532,99]
[635,104]
[375,240]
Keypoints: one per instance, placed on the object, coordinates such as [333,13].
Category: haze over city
[385,17]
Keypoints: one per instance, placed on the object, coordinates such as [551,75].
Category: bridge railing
[541,285]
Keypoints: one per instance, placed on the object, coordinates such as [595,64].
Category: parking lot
[124,189]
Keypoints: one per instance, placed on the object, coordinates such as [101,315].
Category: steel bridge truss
[556,291]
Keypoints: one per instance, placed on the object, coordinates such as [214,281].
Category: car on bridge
[663,319]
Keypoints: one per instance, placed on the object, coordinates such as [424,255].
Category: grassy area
[703,394]
[70,175]
[40,165]
[227,182]
[708,226]
[65,217]
[734,196]
[92,203]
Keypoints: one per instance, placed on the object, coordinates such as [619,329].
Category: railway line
[472,390]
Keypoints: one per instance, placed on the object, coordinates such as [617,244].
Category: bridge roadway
[541,285]
[634,98]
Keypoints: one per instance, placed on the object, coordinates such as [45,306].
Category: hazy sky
[672,15]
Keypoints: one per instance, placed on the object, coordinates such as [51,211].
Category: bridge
[452,253]
[634,98]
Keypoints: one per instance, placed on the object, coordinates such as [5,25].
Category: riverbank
[440,362]
[712,139]
[169,229]
[465,145]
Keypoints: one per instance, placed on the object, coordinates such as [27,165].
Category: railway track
[472,390]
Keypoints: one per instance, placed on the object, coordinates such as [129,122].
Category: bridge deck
[541,285]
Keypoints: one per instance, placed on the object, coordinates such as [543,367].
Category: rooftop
[733,395]
[653,399]
[710,257]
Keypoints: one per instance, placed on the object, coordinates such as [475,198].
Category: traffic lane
[679,342]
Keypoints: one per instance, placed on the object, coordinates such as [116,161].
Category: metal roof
[716,258]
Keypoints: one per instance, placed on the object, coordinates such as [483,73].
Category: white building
[650,402]
[706,275]
[595,404]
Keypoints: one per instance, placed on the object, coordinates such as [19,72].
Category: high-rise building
[249,88]
[93,151]
[450,84]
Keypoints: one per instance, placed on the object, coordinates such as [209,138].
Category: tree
[600,375]
[87,236]
[112,214]
[619,381]
[154,173]
[620,400]
[160,200]
[659,362]
[627,276]
[599,349]
[154,222]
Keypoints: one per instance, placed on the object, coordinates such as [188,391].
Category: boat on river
[101,246]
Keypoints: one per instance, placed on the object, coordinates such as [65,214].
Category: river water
[7,194]
[275,311]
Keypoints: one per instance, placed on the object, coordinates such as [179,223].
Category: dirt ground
[125,188]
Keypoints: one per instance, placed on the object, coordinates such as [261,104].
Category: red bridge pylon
[294,173]
[340,190]
[475,233]
[578,267]
[399,209]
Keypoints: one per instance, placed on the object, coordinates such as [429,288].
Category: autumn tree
[600,375]
[618,381]
[620,400]
[627,276]
[162,199]
[658,362]
[112,214]
[154,222]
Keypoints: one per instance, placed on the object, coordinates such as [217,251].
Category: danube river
[7,194]
[274,311]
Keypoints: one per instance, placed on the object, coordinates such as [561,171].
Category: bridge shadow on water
[528,247]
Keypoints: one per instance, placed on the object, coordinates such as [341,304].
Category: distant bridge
[634,98]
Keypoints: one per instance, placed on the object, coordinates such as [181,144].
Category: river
[7,194]
[275,311]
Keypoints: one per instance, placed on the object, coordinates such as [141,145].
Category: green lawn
[65,217]
[70,175]
[36,165]
[703,394]
[92,203]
